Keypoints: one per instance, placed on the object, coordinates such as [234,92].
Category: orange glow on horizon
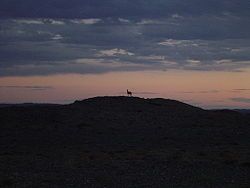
[205,89]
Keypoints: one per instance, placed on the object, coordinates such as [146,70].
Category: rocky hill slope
[123,141]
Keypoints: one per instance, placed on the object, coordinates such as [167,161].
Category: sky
[190,50]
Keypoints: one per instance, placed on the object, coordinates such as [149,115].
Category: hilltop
[129,141]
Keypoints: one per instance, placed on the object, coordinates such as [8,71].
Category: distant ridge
[27,104]
[243,111]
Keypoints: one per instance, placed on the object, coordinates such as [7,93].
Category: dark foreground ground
[123,142]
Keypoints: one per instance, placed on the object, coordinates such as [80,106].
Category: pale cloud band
[45,46]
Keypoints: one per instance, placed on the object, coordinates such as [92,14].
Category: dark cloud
[241,99]
[240,90]
[36,88]
[54,37]
[202,92]
[120,8]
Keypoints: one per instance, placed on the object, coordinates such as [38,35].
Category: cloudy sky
[191,50]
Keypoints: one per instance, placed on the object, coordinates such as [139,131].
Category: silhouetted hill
[135,103]
[243,111]
[27,104]
[117,141]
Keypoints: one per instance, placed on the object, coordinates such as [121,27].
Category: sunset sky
[190,50]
